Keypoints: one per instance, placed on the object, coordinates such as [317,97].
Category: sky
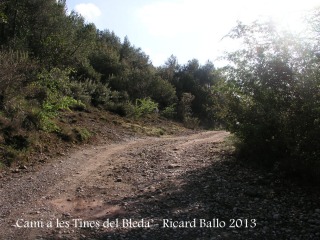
[187,29]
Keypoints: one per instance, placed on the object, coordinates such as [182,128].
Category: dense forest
[268,95]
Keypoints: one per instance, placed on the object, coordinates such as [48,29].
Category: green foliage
[100,95]
[170,112]
[13,146]
[191,122]
[271,97]
[56,88]
[185,111]
[184,108]
[50,110]
[94,60]
[16,70]
[144,107]
[3,17]
[45,29]
[70,134]
[105,57]
[162,92]
[82,134]
[10,155]
[91,92]
[197,80]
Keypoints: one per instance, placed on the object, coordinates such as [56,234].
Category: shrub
[170,112]
[91,92]
[271,98]
[143,107]
[100,95]
[10,155]
[31,121]
[18,142]
[82,134]
[185,111]
[191,122]
[50,109]
[80,92]
[55,88]
[16,70]
[119,108]
[66,134]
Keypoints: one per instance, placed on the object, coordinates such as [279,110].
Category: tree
[170,68]
[162,92]
[47,32]
[196,80]
[270,91]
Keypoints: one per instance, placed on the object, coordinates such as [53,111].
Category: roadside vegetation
[53,63]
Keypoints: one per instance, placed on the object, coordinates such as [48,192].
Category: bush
[50,109]
[119,108]
[100,95]
[162,92]
[80,92]
[91,92]
[53,92]
[17,142]
[191,122]
[185,111]
[16,71]
[10,155]
[82,134]
[143,107]
[170,112]
[271,98]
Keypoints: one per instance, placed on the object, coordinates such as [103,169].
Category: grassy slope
[20,147]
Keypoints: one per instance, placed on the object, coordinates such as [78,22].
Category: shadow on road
[230,200]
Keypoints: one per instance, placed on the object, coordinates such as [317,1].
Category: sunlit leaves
[271,94]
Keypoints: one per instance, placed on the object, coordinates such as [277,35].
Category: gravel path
[185,187]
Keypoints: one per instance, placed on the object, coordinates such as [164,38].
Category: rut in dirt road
[67,185]
[186,187]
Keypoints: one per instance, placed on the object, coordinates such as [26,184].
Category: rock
[23,167]
[15,170]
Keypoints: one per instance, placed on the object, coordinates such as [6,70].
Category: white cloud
[88,10]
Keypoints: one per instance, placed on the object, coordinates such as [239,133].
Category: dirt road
[184,187]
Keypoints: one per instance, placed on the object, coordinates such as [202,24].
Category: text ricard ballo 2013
[137,223]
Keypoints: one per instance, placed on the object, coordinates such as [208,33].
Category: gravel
[186,187]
